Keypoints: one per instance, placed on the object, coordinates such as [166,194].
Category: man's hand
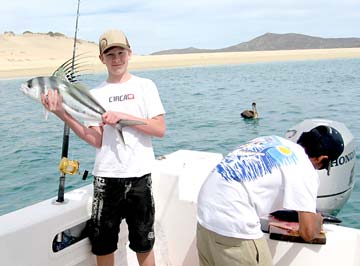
[310,225]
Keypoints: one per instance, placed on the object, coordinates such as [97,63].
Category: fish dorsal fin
[70,71]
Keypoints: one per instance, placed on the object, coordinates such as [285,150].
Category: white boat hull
[26,235]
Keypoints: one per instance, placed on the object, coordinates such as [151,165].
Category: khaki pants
[218,250]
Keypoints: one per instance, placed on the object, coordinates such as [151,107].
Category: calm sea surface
[203,106]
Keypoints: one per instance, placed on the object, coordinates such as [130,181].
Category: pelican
[250,113]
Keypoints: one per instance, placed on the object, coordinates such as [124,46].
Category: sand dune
[30,54]
[38,54]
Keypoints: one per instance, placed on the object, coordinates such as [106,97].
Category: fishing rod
[66,134]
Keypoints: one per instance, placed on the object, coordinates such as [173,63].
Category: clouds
[165,24]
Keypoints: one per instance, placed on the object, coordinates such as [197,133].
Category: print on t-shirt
[255,159]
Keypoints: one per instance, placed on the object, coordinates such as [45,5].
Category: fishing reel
[71,167]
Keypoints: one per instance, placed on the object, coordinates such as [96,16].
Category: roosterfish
[76,97]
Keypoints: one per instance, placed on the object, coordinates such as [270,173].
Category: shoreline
[19,67]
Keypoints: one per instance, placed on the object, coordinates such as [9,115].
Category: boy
[122,169]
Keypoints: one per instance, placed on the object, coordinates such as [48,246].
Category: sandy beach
[30,54]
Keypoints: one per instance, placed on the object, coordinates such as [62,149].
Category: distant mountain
[273,41]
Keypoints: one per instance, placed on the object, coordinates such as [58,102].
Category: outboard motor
[335,189]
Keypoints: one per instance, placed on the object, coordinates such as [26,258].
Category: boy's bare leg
[105,260]
[146,259]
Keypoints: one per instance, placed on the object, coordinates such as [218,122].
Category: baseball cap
[112,38]
[325,141]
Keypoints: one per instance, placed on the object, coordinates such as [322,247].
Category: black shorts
[122,198]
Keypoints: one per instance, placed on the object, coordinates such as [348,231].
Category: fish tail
[130,122]
[119,136]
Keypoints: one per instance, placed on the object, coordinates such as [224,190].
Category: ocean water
[203,106]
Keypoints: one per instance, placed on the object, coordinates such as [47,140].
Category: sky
[155,25]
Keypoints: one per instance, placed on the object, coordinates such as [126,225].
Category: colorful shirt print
[255,159]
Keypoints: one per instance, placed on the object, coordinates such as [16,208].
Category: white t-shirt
[138,97]
[262,176]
